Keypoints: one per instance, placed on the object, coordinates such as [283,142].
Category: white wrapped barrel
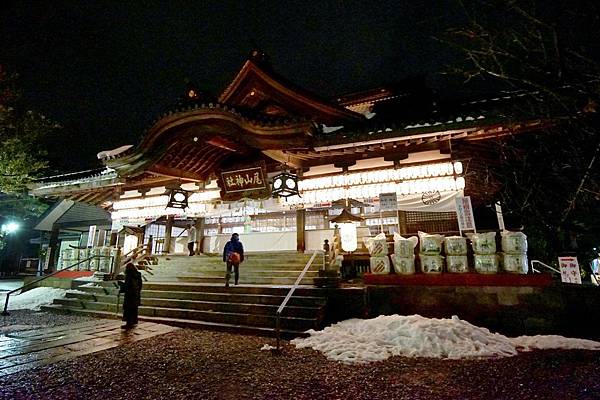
[431,263]
[404,247]
[430,244]
[515,263]
[404,265]
[514,242]
[455,245]
[84,254]
[486,263]
[94,262]
[104,261]
[457,264]
[484,243]
[380,265]
[377,245]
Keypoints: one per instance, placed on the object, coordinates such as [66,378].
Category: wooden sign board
[569,270]
[249,182]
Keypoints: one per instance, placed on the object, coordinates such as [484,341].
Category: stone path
[34,347]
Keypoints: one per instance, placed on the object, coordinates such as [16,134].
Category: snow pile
[33,299]
[267,347]
[362,341]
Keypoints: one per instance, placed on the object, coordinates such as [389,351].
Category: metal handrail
[289,295]
[544,265]
[5,312]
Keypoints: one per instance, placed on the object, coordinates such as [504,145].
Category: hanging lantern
[178,198]
[285,184]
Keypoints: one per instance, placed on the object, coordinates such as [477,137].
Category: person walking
[233,255]
[132,288]
[191,239]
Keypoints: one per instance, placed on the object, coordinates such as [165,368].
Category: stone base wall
[570,310]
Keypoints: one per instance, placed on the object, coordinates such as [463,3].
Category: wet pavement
[39,345]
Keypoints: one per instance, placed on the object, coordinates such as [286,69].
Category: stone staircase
[190,291]
[281,268]
[240,309]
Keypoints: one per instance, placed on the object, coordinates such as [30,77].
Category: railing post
[278,328]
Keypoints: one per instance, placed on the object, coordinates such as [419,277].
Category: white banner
[464,214]
[500,216]
[429,202]
[569,270]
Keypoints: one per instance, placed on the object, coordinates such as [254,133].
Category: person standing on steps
[132,287]
[191,239]
[233,255]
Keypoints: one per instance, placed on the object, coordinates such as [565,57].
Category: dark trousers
[236,270]
[130,314]
[191,248]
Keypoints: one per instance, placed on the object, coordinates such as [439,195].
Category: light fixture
[285,184]
[178,198]
[9,227]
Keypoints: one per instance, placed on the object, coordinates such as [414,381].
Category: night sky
[105,70]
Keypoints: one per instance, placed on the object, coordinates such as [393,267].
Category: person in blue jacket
[233,255]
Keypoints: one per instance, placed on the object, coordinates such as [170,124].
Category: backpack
[234,258]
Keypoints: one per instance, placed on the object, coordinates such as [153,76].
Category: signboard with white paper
[569,270]
[500,216]
[91,236]
[464,214]
[388,201]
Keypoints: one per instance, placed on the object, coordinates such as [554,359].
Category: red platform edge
[468,279]
[73,274]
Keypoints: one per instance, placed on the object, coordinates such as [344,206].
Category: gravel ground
[193,364]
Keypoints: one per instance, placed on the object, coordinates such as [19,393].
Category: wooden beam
[161,170]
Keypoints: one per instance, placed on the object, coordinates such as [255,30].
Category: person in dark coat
[132,288]
[233,255]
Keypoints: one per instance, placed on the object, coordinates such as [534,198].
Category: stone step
[260,280]
[184,323]
[200,305]
[110,287]
[300,301]
[233,318]
[221,272]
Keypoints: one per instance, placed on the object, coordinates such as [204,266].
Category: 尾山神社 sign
[569,270]
[244,179]
[250,182]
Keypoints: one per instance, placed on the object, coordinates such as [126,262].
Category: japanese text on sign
[464,214]
[243,179]
[569,270]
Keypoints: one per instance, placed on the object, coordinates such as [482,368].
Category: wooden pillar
[53,245]
[402,222]
[168,233]
[199,223]
[300,230]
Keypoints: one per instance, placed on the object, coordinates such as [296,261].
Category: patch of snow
[91,284]
[329,129]
[363,341]
[267,347]
[92,278]
[75,291]
[33,299]
[113,152]
[369,114]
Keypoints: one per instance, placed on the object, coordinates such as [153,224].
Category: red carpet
[469,279]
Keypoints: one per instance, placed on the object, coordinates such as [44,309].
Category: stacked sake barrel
[430,251]
[514,248]
[84,254]
[484,247]
[378,252]
[456,254]
[403,258]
